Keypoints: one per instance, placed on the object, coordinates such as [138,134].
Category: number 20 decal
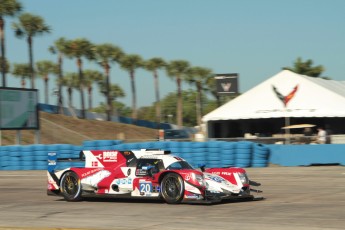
[145,187]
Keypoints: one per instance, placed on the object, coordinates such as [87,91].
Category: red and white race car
[154,174]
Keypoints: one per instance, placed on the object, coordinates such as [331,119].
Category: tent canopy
[286,94]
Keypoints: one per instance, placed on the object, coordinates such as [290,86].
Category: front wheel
[70,186]
[172,188]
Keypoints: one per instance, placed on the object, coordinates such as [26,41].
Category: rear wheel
[172,188]
[70,186]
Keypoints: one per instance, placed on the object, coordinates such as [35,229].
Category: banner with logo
[227,83]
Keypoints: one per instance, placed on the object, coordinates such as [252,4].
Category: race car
[150,174]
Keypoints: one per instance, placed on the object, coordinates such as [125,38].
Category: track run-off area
[296,198]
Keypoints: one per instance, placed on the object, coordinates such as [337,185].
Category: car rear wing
[53,159]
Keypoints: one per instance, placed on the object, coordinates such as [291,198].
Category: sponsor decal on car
[123,181]
[110,156]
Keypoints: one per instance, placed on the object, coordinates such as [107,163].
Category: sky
[254,38]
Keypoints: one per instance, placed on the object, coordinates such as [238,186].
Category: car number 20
[145,187]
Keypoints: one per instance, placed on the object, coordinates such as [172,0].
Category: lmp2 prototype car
[154,174]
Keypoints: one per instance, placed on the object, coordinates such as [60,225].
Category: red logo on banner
[94,164]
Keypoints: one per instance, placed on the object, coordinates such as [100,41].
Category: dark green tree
[29,26]
[44,68]
[78,49]
[8,8]
[306,68]
[130,63]
[199,76]
[178,70]
[105,55]
[70,81]
[153,65]
[23,71]
[59,48]
[90,78]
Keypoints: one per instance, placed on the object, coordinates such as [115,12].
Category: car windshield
[179,165]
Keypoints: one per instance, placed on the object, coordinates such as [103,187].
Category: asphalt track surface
[297,198]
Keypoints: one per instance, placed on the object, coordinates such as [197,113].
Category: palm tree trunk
[179,103]
[158,106]
[81,87]
[198,104]
[59,102]
[3,57]
[107,93]
[46,89]
[69,92]
[31,62]
[134,97]
[90,97]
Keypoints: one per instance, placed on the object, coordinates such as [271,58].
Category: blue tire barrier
[40,153]
[214,144]
[26,148]
[39,147]
[101,143]
[41,158]
[52,148]
[227,163]
[228,145]
[14,154]
[173,144]
[89,143]
[199,144]
[175,151]
[185,150]
[185,144]
[65,147]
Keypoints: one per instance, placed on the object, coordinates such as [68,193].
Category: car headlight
[244,178]
[200,179]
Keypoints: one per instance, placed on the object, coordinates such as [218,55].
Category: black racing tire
[172,188]
[70,186]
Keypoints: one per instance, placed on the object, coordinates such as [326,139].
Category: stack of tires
[4,157]
[260,155]
[214,154]
[174,147]
[90,145]
[14,162]
[185,151]
[40,156]
[198,154]
[228,154]
[26,157]
[243,156]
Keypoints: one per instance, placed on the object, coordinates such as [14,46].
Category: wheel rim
[173,188]
[71,185]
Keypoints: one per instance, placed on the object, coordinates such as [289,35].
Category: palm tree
[306,68]
[78,49]
[199,76]
[153,65]
[29,26]
[130,63]
[7,8]
[212,88]
[5,66]
[71,81]
[105,54]
[91,77]
[59,48]
[44,68]
[115,92]
[178,69]
[23,71]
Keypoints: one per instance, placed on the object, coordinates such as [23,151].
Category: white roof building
[305,97]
